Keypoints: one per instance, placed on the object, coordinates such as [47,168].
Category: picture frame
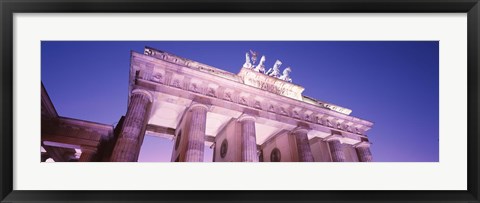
[9,8]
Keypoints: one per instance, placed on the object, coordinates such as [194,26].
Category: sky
[394,84]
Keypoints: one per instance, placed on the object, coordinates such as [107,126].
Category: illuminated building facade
[257,115]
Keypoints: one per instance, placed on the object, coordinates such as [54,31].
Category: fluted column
[249,139]
[87,155]
[363,151]
[196,135]
[336,149]
[303,147]
[126,147]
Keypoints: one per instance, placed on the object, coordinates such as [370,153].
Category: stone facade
[246,117]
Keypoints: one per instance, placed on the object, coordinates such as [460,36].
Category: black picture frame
[10,7]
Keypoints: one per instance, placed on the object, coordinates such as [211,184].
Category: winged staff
[251,58]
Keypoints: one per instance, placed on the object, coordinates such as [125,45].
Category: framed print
[355,100]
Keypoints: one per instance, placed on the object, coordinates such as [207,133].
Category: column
[196,134]
[249,140]
[87,155]
[363,151]
[126,149]
[336,148]
[303,147]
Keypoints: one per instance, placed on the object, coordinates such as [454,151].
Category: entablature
[166,73]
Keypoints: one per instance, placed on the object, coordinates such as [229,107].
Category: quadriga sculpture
[286,74]
[247,63]
[261,67]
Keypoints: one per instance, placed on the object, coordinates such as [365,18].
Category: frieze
[295,114]
[185,84]
[307,117]
[246,99]
[194,87]
[243,100]
[257,105]
[211,92]
[168,77]
[176,83]
[228,96]
[271,108]
[158,78]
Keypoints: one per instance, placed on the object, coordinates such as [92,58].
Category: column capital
[246,117]
[198,105]
[362,144]
[333,137]
[144,92]
[300,129]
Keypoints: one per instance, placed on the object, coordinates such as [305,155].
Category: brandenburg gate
[257,115]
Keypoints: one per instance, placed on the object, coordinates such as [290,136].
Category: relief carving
[211,92]
[271,108]
[243,101]
[295,114]
[328,123]
[158,77]
[307,117]
[228,96]
[258,105]
[194,87]
[176,83]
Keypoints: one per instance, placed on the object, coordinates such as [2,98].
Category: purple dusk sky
[393,84]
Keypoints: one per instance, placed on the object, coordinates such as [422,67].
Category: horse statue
[275,71]
[247,63]
[286,74]
[261,67]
